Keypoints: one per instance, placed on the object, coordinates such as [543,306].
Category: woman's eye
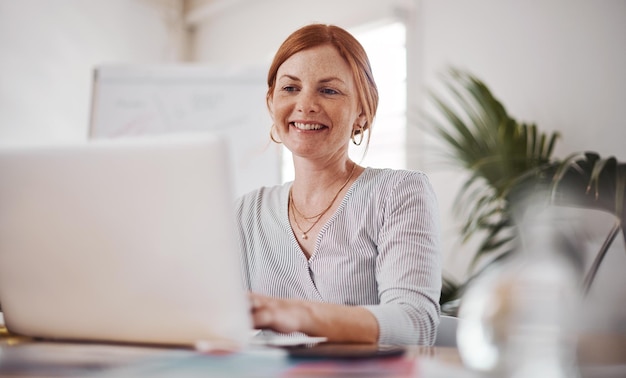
[289,88]
[329,91]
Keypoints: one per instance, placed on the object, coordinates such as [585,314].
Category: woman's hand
[336,322]
[281,315]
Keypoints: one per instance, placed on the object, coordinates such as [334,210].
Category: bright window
[385,46]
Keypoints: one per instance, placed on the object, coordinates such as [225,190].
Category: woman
[343,251]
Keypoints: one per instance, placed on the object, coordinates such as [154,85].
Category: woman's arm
[408,266]
[338,323]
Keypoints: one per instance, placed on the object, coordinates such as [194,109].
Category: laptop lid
[126,240]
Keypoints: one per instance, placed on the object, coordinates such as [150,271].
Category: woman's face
[315,104]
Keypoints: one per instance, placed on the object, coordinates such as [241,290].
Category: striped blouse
[379,250]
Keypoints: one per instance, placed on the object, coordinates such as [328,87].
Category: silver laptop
[121,240]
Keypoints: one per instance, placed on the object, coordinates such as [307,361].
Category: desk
[23,357]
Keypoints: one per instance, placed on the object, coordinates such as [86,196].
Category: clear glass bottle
[518,319]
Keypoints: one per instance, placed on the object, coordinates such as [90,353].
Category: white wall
[49,49]
[559,63]
[249,30]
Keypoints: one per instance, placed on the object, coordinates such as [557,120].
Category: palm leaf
[500,154]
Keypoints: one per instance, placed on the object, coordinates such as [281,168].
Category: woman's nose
[307,102]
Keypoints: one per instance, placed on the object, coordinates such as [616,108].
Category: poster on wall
[230,101]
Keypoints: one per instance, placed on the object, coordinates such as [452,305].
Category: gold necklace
[319,215]
[292,206]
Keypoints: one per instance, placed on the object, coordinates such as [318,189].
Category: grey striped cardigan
[380,250]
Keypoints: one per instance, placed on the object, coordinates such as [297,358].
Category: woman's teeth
[308,126]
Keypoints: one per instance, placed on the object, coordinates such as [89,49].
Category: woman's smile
[305,126]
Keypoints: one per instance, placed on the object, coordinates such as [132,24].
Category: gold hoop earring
[358,132]
[272,134]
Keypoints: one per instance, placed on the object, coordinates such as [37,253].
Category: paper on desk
[273,339]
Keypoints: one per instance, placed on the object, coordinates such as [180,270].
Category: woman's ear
[361,121]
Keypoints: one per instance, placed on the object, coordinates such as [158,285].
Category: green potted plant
[505,159]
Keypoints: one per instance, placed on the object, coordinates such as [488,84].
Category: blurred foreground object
[519,318]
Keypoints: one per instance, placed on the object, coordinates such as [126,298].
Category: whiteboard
[140,100]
